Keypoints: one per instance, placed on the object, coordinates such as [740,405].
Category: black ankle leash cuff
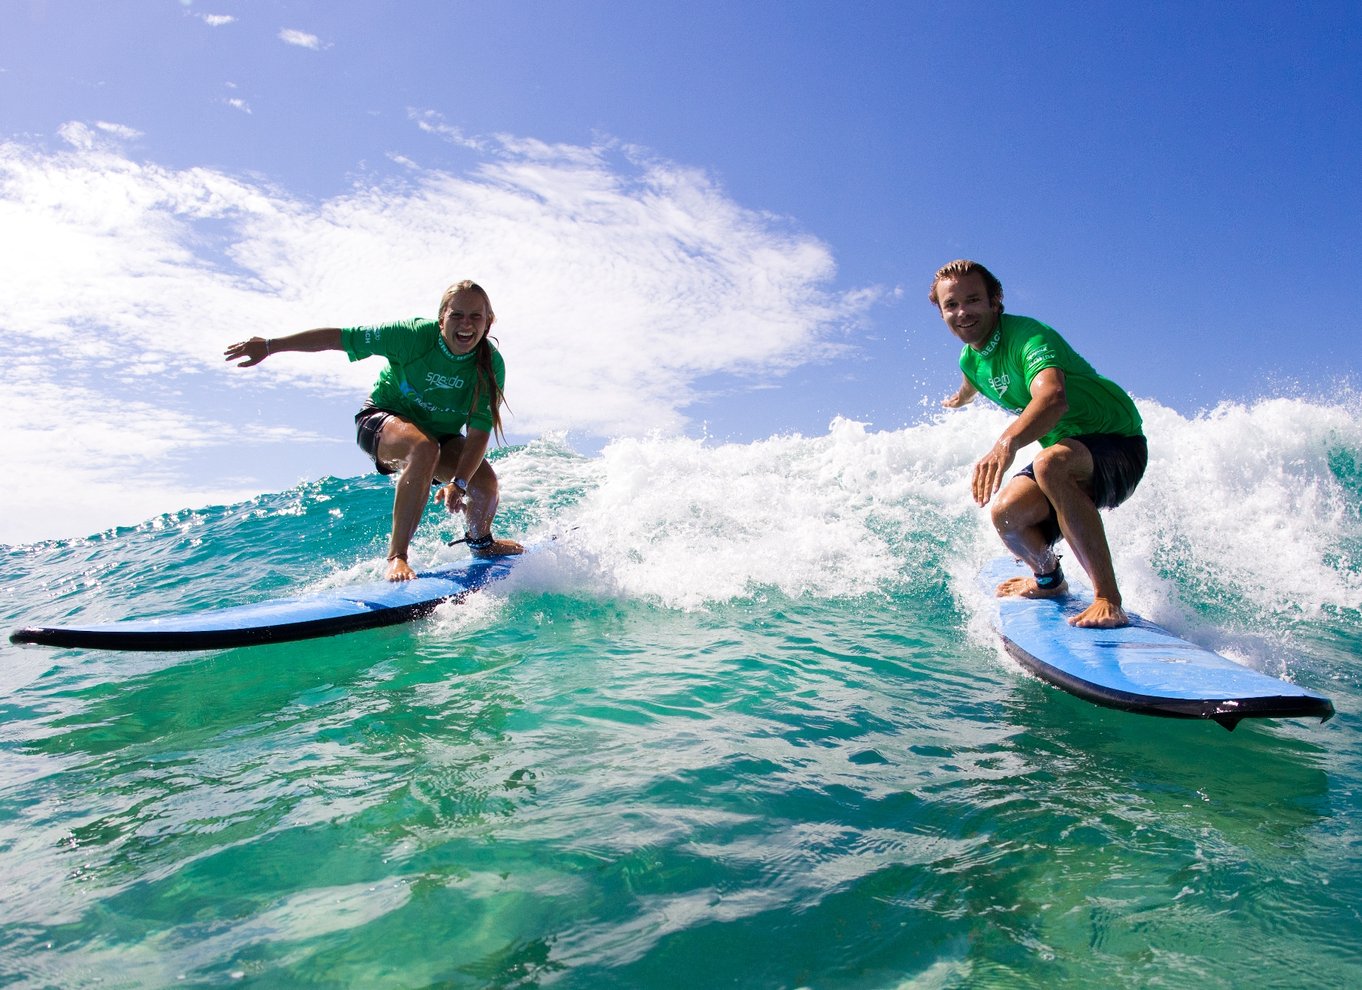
[1052,580]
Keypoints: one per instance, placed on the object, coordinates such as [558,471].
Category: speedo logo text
[434,380]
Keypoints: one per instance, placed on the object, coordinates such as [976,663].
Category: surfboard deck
[1139,668]
[281,620]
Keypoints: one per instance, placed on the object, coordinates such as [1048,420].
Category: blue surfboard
[1139,668]
[282,620]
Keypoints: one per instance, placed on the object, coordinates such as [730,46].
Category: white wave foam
[1243,495]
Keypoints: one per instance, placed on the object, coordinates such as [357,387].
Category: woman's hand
[253,351]
[451,496]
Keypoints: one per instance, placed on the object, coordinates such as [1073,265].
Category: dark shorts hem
[1118,464]
[369,422]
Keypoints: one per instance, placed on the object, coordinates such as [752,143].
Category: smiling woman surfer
[430,416]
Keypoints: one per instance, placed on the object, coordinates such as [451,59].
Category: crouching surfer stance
[430,416]
[1094,450]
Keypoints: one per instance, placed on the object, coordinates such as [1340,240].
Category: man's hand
[990,470]
[963,396]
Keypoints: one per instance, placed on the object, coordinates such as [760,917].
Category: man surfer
[1093,446]
[430,416]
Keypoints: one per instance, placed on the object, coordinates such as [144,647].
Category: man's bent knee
[1020,504]
[1062,465]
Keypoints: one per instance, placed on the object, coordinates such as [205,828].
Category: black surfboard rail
[342,610]
[1228,712]
[177,641]
[1139,667]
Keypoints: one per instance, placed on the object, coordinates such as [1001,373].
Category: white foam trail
[685,522]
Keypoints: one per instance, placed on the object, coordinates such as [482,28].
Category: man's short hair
[961,267]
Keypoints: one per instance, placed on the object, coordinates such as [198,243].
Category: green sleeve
[390,340]
[1044,348]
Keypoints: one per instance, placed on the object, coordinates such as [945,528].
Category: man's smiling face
[966,308]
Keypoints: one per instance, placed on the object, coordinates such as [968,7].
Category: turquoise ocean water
[741,724]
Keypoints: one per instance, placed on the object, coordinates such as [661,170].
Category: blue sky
[709,218]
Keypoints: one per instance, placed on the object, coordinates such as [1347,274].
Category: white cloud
[119,131]
[217,20]
[300,38]
[433,123]
[619,283]
[100,133]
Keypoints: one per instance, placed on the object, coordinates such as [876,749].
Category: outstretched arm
[256,349]
[963,396]
[1049,402]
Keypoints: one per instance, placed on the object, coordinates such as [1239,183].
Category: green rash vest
[425,382]
[1019,349]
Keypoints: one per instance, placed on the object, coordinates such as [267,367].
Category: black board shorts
[1118,464]
[369,424]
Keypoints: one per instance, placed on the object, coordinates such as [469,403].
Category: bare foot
[1026,587]
[1101,614]
[499,548]
[399,570]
